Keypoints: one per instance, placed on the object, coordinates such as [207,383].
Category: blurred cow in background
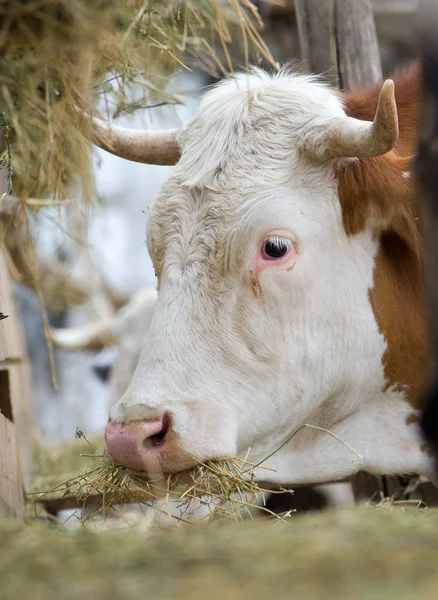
[119,337]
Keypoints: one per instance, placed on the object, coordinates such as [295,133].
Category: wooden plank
[358,48]
[54,505]
[395,7]
[20,393]
[338,40]
[12,344]
[15,394]
[380,7]
[315,22]
[11,488]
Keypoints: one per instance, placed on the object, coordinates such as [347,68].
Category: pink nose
[136,445]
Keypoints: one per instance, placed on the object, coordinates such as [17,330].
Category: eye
[275,247]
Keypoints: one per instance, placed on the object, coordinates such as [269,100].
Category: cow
[288,258]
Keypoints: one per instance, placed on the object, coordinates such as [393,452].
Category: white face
[263,319]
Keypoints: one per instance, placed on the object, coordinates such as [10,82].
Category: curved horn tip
[61,338]
[386,119]
[388,87]
[387,97]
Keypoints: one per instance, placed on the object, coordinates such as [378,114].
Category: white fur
[238,369]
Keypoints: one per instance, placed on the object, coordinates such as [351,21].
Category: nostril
[158,438]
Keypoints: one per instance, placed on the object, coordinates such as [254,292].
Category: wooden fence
[16,428]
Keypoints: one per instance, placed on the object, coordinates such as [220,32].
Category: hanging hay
[60,55]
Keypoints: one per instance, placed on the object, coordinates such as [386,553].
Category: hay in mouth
[225,488]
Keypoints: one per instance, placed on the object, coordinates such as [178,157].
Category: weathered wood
[15,370]
[11,338]
[16,443]
[16,423]
[380,7]
[54,505]
[20,388]
[315,22]
[11,485]
[338,40]
[358,50]
[394,7]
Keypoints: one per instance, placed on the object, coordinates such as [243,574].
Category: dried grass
[227,488]
[359,553]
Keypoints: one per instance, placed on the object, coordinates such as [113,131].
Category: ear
[380,192]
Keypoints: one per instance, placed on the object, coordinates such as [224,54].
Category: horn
[151,147]
[135,315]
[93,336]
[349,137]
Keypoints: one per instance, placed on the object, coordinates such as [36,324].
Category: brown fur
[413,418]
[373,190]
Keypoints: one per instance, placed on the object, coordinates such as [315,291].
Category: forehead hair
[252,122]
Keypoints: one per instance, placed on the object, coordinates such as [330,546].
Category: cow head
[263,319]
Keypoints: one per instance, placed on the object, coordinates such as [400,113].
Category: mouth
[137,474]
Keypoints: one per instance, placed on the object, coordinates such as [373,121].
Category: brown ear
[380,191]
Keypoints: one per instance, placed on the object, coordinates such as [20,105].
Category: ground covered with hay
[364,553]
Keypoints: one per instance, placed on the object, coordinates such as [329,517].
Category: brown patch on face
[255,285]
[376,191]
[413,418]
[428,449]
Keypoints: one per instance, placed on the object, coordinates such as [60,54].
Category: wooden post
[316,33]
[16,423]
[356,40]
[338,40]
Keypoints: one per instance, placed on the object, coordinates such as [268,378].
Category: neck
[397,302]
